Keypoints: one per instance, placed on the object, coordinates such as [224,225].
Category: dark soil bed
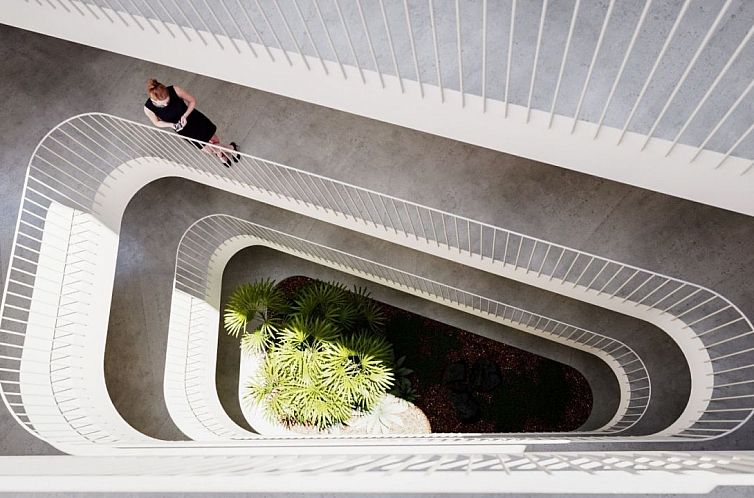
[468,383]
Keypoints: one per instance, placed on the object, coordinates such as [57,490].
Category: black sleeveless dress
[198,126]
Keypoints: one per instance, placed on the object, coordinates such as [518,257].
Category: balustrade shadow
[135,350]
[66,191]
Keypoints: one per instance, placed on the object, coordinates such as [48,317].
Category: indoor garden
[320,358]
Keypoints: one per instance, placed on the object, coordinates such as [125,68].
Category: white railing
[484,49]
[49,327]
[87,168]
[327,472]
[477,73]
[208,244]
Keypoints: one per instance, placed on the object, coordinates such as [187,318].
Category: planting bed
[464,382]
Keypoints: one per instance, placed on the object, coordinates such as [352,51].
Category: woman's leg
[209,149]
[215,140]
[227,146]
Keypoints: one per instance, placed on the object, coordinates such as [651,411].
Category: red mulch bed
[535,394]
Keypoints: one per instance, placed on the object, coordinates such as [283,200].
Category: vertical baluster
[734,146]
[459,44]
[350,42]
[188,21]
[536,58]
[272,32]
[437,54]
[390,44]
[511,31]
[369,42]
[596,53]
[484,56]
[722,120]
[204,24]
[290,33]
[238,28]
[566,50]
[627,54]
[413,47]
[686,72]
[652,71]
[329,39]
[247,15]
[309,36]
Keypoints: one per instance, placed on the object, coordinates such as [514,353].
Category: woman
[173,107]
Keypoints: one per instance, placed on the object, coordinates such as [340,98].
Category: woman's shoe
[226,162]
[235,147]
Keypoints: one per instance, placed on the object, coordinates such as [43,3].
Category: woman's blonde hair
[156,90]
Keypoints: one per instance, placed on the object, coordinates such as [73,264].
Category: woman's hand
[183,120]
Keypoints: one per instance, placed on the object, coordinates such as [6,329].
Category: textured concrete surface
[143,283]
[623,20]
[48,80]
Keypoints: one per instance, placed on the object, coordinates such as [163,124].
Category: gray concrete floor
[623,20]
[46,80]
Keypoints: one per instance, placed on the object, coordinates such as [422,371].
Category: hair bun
[152,84]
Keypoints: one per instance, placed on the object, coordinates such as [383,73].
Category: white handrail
[502,471]
[87,168]
[381,46]
[210,241]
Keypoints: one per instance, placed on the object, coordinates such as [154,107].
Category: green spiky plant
[256,342]
[260,303]
[329,302]
[325,354]
[261,300]
[402,387]
[301,345]
[370,315]
[359,366]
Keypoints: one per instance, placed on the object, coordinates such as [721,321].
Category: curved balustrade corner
[207,245]
[85,170]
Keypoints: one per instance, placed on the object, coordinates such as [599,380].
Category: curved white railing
[590,89]
[211,241]
[82,174]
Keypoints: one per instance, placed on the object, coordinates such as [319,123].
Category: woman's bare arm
[188,98]
[156,121]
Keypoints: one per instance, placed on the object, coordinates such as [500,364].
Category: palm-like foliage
[256,342]
[261,300]
[300,331]
[269,381]
[271,389]
[293,400]
[370,314]
[318,405]
[359,367]
[298,363]
[329,302]
[319,367]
